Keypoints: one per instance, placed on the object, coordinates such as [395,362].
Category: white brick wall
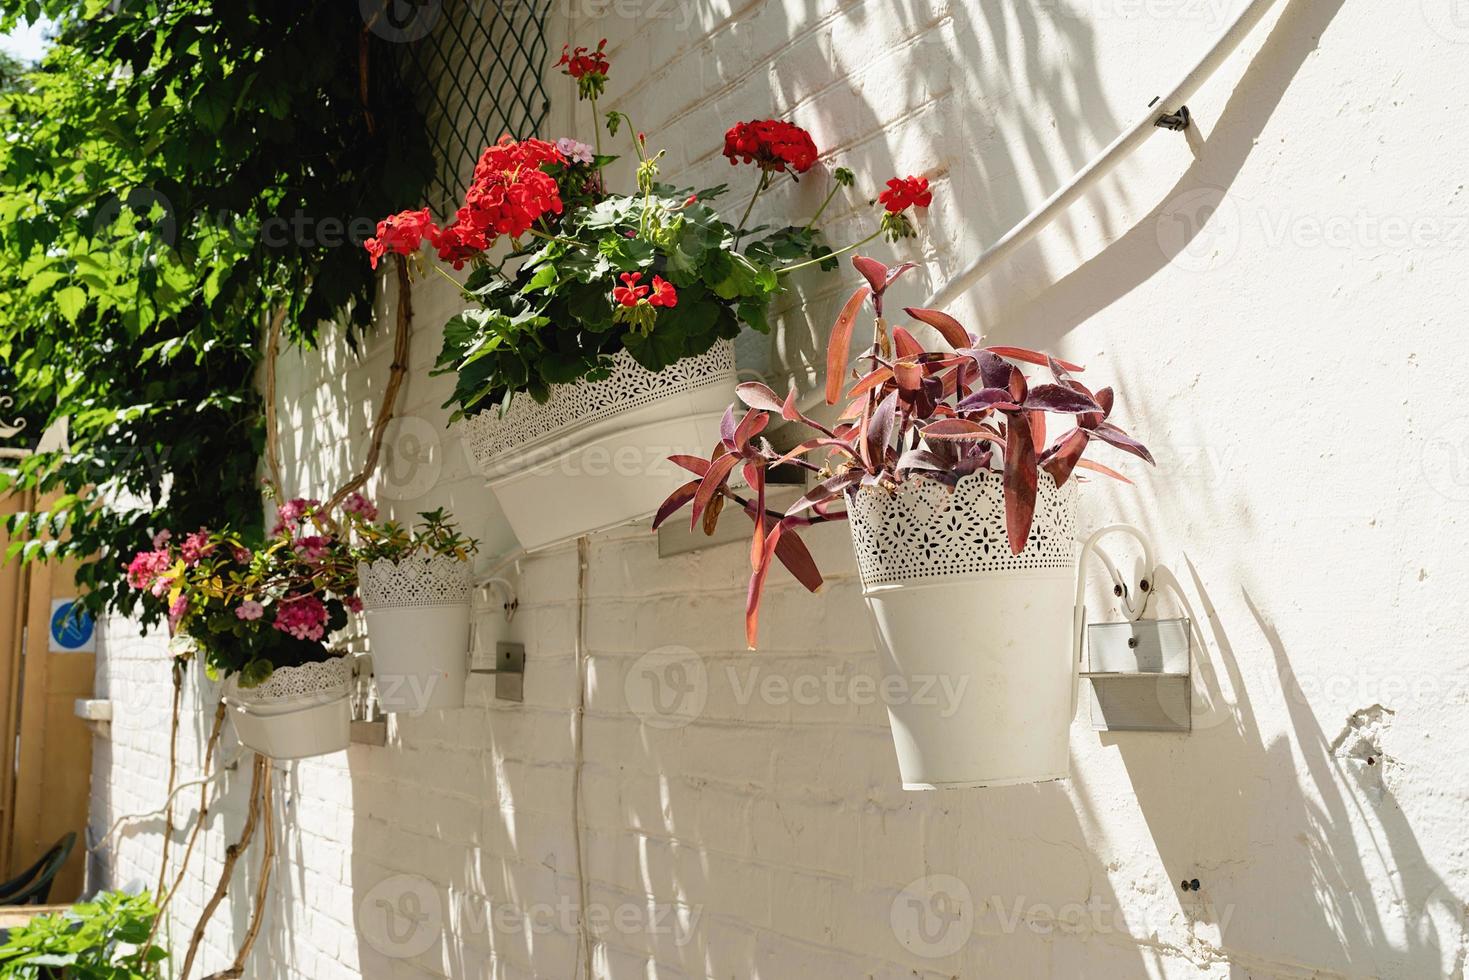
[1306,445]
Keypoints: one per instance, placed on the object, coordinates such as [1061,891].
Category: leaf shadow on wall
[1303,854]
[922,105]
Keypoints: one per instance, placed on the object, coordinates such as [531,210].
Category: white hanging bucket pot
[417,614]
[297,712]
[975,641]
[595,455]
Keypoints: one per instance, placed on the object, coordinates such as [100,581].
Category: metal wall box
[1139,675]
[510,671]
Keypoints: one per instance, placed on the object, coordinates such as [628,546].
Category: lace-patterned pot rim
[320,678]
[419,580]
[526,425]
[927,530]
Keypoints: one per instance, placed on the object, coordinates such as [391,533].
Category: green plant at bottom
[102,939]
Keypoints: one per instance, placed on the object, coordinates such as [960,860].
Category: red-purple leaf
[873,271]
[880,430]
[719,471]
[750,426]
[727,428]
[959,429]
[757,581]
[909,376]
[1021,480]
[825,490]
[840,344]
[696,465]
[952,331]
[675,500]
[1109,433]
[1105,398]
[906,344]
[872,379]
[1032,357]
[1056,398]
[1066,455]
[817,443]
[791,413]
[793,554]
[1017,385]
[1037,430]
[921,459]
[755,476]
[757,395]
[1087,464]
[986,398]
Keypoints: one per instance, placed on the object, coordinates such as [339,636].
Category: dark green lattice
[481,66]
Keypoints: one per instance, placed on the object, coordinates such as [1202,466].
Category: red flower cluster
[631,294]
[589,68]
[906,192]
[772,144]
[401,234]
[509,193]
[584,61]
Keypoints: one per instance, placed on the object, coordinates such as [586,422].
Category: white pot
[595,455]
[298,712]
[975,641]
[417,614]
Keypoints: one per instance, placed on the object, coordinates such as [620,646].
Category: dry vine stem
[261,797]
[397,372]
[231,856]
[173,771]
[165,898]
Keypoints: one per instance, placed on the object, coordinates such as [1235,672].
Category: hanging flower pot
[417,614]
[594,455]
[975,639]
[963,514]
[297,712]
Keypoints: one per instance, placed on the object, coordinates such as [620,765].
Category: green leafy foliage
[435,534]
[553,319]
[173,172]
[103,939]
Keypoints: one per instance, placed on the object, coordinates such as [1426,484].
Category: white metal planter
[595,455]
[417,614]
[975,641]
[298,712]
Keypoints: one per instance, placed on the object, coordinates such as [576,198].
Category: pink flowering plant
[655,270]
[434,534]
[252,609]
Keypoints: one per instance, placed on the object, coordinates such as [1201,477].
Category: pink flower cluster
[361,506]
[195,547]
[148,571]
[289,514]
[313,548]
[304,617]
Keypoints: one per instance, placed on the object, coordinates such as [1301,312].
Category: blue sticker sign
[72,629]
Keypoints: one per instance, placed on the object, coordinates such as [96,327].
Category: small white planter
[975,641]
[595,455]
[298,712]
[417,614]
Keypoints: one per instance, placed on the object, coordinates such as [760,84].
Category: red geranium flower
[771,144]
[906,192]
[401,233]
[630,293]
[663,293]
[588,67]
[509,193]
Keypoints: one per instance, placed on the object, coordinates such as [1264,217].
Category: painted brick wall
[1277,294]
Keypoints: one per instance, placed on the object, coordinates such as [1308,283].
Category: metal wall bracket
[509,671]
[1139,675]
[1138,672]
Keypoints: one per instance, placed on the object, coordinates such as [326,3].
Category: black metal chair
[33,885]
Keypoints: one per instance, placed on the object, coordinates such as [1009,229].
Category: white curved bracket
[507,593]
[1120,587]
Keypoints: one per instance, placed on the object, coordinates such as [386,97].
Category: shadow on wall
[983,90]
[1307,843]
